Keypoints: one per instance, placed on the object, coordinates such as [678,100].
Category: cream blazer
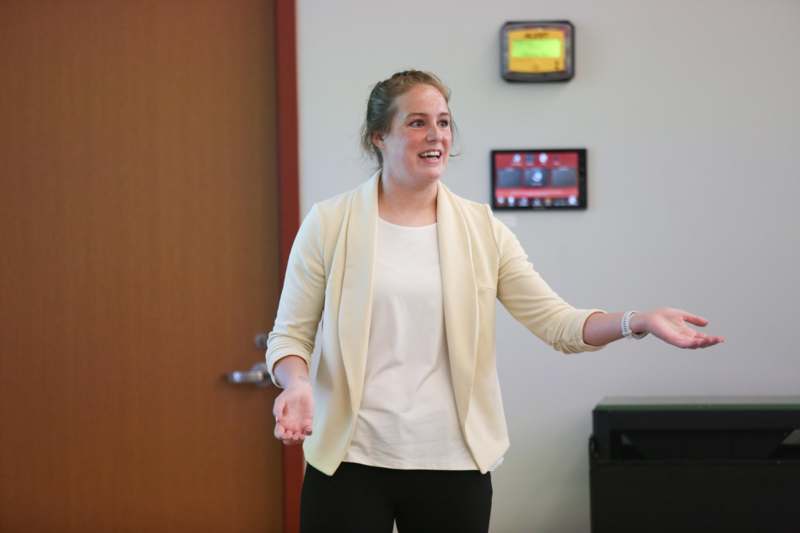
[329,277]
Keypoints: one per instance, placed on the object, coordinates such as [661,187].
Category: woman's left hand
[672,326]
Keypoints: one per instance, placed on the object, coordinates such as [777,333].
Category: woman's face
[416,148]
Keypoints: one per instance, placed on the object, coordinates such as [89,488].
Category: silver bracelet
[626,326]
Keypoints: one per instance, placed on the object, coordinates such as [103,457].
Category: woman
[405,408]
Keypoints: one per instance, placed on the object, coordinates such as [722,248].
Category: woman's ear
[377,140]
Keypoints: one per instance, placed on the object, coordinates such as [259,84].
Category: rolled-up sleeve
[532,302]
[302,298]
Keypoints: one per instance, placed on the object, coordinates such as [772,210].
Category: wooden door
[139,257]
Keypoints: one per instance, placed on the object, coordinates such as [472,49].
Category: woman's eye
[416,123]
[444,123]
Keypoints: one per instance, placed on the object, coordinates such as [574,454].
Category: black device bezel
[583,196]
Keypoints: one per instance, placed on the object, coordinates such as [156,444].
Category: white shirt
[408,417]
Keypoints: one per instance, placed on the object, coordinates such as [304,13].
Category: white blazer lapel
[460,296]
[355,305]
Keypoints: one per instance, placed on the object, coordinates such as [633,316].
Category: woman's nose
[434,133]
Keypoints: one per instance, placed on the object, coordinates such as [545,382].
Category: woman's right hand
[294,411]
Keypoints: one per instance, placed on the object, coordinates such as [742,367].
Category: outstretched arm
[668,324]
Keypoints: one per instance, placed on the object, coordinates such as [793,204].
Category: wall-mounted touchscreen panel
[539,178]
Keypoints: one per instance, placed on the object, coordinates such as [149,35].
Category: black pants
[367,499]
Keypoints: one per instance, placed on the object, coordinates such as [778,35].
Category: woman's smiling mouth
[431,155]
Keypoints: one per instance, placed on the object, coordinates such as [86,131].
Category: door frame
[289,215]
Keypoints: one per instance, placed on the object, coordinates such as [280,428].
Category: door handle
[257,376]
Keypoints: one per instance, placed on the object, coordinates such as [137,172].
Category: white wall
[689,110]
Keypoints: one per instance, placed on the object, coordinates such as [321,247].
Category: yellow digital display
[533,50]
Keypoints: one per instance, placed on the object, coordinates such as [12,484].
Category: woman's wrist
[640,322]
[291,370]
[298,381]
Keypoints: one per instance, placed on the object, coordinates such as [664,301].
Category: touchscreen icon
[536,177]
